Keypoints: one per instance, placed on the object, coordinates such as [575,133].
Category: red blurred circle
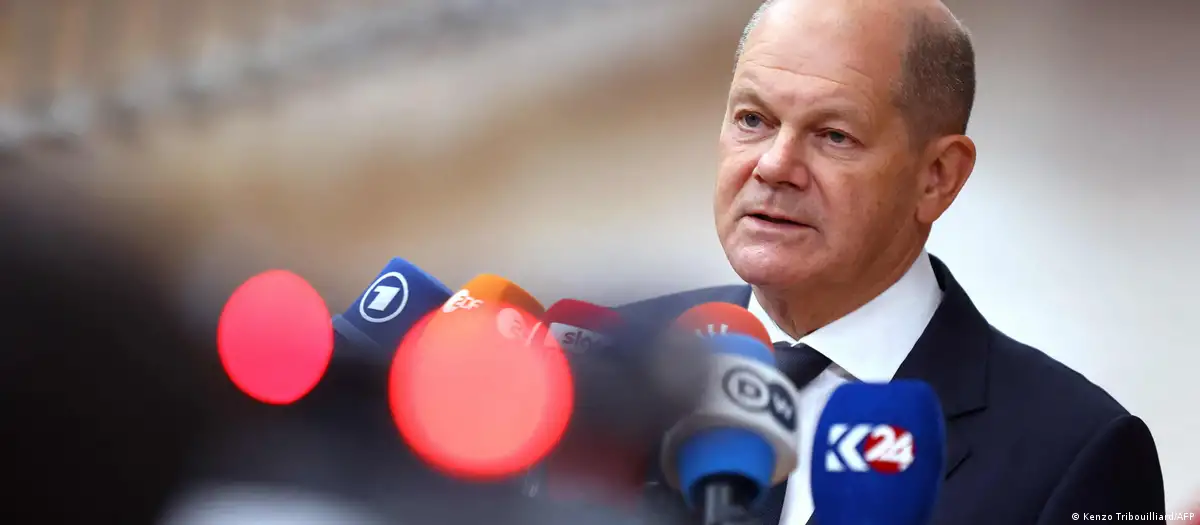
[275,338]
[473,399]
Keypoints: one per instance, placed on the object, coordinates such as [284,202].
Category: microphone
[740,441]
[468,394]
[577,327]
[604,454]
[276,340]
[878,455]
[722,318]
[372,327]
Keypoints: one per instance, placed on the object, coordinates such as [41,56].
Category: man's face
[816,177]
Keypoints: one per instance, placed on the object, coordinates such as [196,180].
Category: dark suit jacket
[1029,441]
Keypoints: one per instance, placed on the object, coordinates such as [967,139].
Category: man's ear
[948,162]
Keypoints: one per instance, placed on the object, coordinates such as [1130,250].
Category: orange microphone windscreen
[493,290]
[719,318]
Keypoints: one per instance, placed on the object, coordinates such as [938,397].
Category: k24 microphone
[399,297]
[469,395]
[878,455]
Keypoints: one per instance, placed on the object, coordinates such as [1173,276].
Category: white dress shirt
[868,344]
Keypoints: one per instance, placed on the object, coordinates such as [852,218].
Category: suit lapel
[952,357]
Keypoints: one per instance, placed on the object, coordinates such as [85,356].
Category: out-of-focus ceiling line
[184,66]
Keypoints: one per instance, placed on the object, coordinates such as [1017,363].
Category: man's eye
[837,137]
[750,120]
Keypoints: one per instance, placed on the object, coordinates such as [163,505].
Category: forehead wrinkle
[833,97]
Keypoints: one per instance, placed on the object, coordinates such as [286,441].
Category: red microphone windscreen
[577,326]
[274,337]
[467,393]
[719,318]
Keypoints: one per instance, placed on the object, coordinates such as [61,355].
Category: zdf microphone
[878,455]
[469,395]
[741,439]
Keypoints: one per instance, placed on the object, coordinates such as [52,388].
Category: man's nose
[784,162]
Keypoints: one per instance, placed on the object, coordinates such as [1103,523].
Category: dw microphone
[741,439]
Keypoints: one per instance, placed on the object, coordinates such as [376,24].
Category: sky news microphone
[741,440]
[373,326]
[577,327]
[878,455]
[603,457]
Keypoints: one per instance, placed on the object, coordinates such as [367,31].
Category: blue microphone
[399,297]
[741,440]
[878,455]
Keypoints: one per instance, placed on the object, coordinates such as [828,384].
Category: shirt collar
[871,342]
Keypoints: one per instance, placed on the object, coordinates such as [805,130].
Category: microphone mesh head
[722,318]
[495,289]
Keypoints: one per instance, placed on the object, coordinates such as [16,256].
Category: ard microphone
[741,439]
[277,343]
[878,455]
[399,297]
[469,395]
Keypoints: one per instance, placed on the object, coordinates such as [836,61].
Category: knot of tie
[800,363]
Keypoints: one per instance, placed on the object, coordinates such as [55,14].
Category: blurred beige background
[569,146]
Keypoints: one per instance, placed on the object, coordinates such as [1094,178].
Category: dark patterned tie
[801,363]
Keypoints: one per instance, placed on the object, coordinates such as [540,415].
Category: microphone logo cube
[461,300]
[750,391]
[385,299]
[510,323]
[574,339]
[886,449]
[713,330]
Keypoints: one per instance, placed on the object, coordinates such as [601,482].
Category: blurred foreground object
[103,391]
[119,411]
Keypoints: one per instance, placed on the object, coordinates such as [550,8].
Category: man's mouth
[774,219]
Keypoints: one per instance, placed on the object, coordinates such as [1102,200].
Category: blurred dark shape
[104,394]
[117,409]
[629,391]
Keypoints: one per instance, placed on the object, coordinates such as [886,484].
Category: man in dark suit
[843,141]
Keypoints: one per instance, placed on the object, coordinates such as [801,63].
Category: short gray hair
[936,90]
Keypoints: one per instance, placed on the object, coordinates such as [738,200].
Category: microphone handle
[721,507]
